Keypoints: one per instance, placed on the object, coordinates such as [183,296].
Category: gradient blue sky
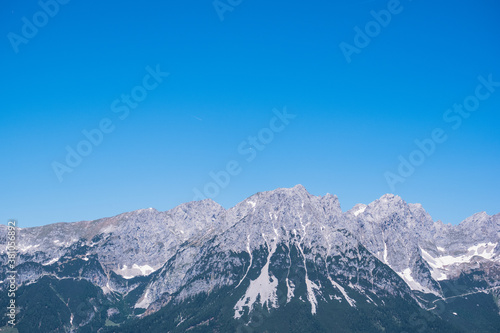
[353,120]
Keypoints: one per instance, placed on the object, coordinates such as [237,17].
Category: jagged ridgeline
[280,261]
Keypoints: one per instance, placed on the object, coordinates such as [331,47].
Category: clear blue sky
[353,120]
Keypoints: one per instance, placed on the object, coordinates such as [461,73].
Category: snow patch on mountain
[290,290]
[50,262]
[265,286]
[136,270]
[440,264]
[311,297]
[251,261]
[27,248]
[310,285]
[406,275]
[385,253]
[143,302]
[358,209]
[349,300]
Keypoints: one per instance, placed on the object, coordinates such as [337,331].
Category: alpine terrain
[279,261]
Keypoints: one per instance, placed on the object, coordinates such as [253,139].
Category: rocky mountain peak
[386,206]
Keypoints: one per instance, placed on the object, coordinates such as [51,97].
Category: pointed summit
[357,209]
[297,189]
[389,200]
[387,205]
[389,197]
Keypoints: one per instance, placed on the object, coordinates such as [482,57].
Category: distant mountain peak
[296,190]
[202,203]
[389,197]
[299,187]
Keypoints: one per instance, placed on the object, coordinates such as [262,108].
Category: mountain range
[279,261]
